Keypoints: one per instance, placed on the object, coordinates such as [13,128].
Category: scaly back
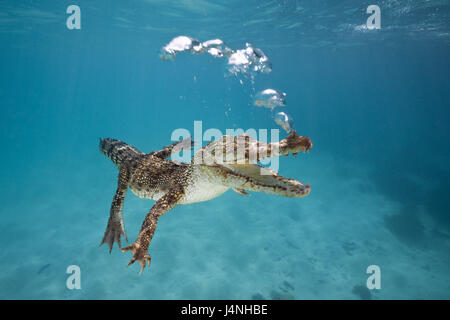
[118,151]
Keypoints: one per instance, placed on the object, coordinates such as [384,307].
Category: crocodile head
[248,175]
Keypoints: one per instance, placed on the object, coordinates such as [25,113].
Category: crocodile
[223,164]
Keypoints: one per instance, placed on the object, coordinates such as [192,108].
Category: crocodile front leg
[140,246]
[115,228]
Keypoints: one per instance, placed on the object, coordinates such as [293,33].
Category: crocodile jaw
[253,177]
[265,180]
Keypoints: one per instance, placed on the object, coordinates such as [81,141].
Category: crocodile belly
[204,191]
[147,194]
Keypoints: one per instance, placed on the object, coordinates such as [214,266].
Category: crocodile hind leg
[140,246]
[115,228]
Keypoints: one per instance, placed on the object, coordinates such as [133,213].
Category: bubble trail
[248,61]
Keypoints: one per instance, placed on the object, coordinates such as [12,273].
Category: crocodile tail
[118,151]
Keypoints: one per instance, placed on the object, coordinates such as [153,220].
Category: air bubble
[285,121]
[270,98]
[217,48]
[248,61]
[180,44]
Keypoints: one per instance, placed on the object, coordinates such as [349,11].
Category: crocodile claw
[139,254]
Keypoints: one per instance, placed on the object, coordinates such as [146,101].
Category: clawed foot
[113,232]
[140,254]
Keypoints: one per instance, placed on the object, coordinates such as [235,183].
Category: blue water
[376,104]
